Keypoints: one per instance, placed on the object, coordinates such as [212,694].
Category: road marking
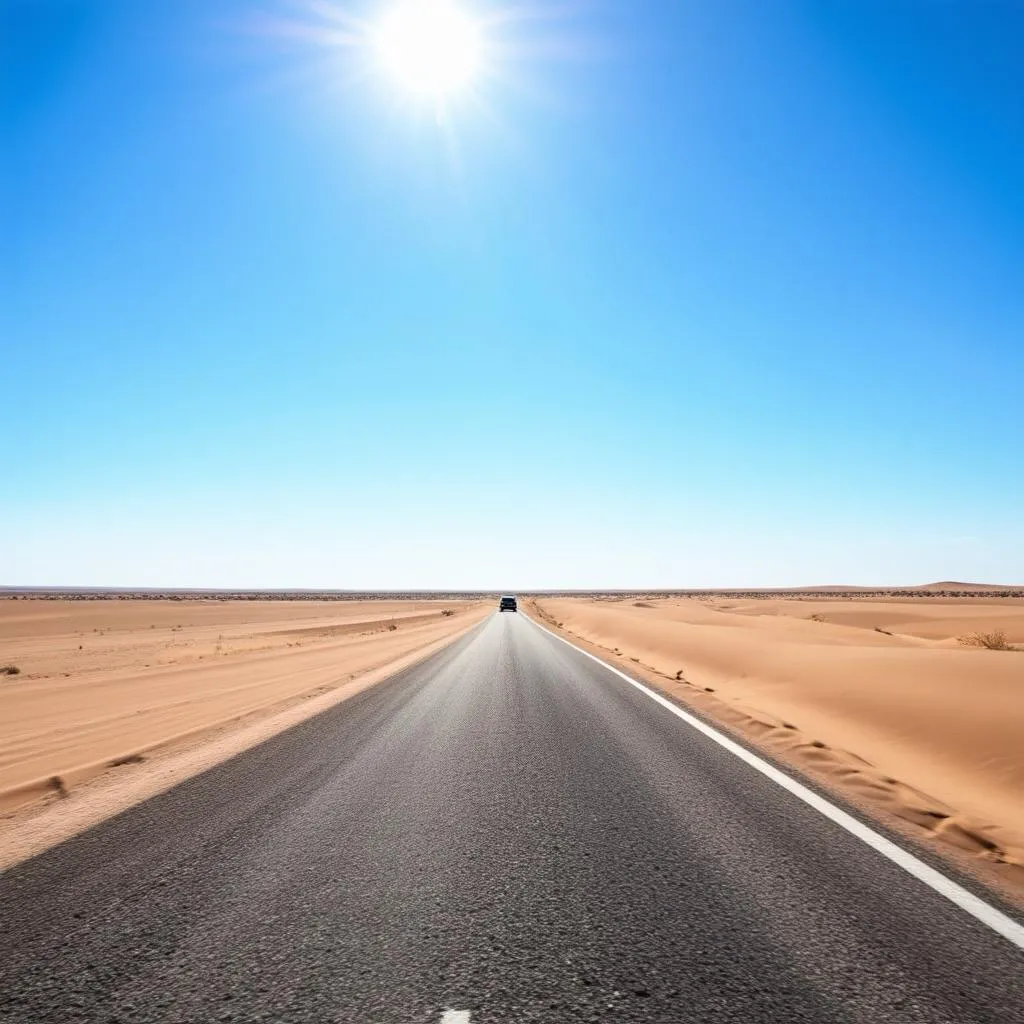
[975,906]
[455,1017]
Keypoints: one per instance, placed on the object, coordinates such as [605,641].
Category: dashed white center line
[455,1017]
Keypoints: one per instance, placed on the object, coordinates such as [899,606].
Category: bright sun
[430,47]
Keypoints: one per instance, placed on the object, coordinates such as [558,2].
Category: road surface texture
[505,833]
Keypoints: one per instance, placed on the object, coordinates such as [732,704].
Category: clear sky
[676,293]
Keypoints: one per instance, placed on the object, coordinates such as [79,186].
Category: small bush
[447,612]
[994,641]
[391,627]
[10,670]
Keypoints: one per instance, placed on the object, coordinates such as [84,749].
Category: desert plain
[886,698]
[890,700]
[109,691]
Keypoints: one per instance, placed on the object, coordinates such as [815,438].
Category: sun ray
[446,62]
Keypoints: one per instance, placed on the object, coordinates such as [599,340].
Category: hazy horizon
[130,588]
[666,295]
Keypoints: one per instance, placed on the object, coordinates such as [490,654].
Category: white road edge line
[965,900]
[455,1017]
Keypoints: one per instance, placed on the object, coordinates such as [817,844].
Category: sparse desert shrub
[816,617]
[994,641]
[10,670]
[447,612]
[391,627]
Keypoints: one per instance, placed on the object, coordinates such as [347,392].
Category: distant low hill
[952,585]
[916,587]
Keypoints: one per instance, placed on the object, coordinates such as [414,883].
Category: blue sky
[685,294]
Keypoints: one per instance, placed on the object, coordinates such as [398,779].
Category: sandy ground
[876,698]
[108,687]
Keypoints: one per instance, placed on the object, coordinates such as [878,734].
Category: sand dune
[107,683]
[923,618]
[907,719]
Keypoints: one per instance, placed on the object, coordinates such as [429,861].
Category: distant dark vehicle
[507,604]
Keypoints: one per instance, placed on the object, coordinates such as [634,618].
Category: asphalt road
[505,833]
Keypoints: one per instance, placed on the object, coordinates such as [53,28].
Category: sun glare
[431,48]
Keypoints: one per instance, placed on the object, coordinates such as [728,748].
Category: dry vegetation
[994,641]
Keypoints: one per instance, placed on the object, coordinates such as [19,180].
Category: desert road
[507,832]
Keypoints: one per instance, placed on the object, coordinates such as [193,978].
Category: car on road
[507,604]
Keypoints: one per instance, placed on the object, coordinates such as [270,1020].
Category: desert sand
[106,686]
[877,698]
